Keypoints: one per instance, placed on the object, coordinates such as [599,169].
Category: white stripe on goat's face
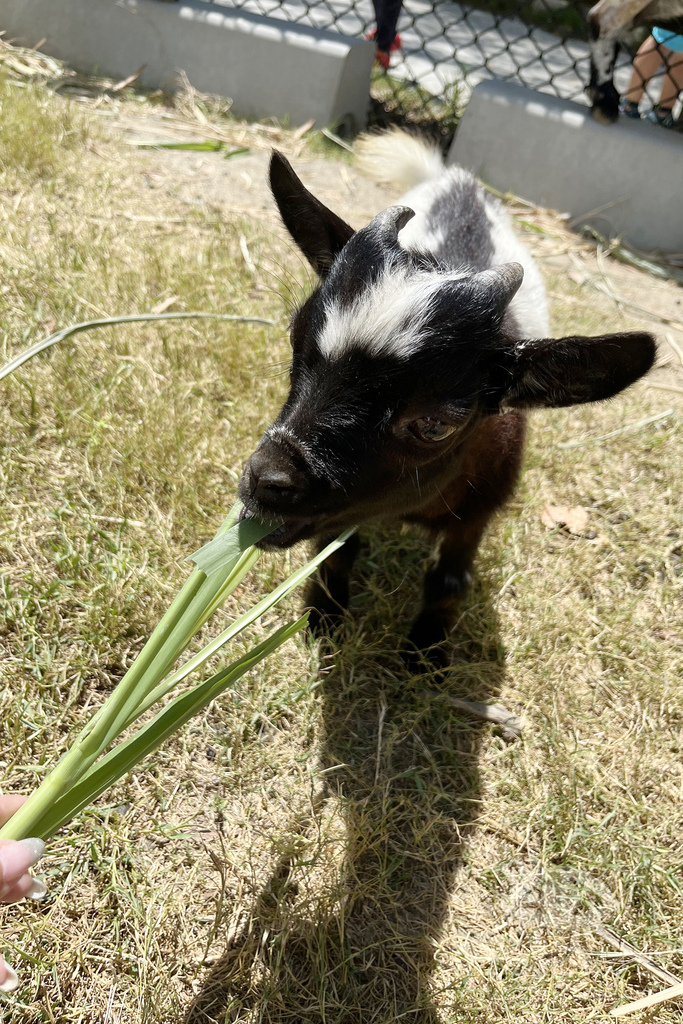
[390,317]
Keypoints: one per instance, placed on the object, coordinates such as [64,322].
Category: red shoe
[396,45]
[382,58]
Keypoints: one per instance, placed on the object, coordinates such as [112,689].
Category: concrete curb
[268,68]
[623,179]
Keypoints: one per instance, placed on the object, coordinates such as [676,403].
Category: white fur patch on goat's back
[422,232]
[390,318]
[530,304]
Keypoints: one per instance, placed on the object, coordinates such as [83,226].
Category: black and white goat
[609,20]
[412,362]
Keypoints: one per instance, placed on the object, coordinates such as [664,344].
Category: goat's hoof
[427,644]
[604,117]
[420,656]
[419,662]
[604,104]
[325,610]
[324,621]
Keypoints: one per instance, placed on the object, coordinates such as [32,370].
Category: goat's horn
[497,285]
[390,221]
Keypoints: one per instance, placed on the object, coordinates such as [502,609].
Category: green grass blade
[76,761]
[191,609]
[88,325]
[226,546]
[124,703]
[207,146]
[249,617]
[196,602]
[177,712]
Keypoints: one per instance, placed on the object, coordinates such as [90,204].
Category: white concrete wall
[551,152]
[268,68]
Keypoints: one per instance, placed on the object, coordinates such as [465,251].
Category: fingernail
[11,982]
[35,846]
[37,890]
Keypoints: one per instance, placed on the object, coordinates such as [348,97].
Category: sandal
[629,108]
[663,116]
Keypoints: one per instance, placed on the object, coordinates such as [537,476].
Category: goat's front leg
[489,473]
[327,593]
[445,585]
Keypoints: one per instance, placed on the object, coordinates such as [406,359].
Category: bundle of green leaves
[95,760]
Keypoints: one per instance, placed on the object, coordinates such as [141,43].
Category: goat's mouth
[289,532]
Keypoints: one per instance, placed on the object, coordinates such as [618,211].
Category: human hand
[15,881]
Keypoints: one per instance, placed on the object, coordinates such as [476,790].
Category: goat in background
[413,361]
[608,21]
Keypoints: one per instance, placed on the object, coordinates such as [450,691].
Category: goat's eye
[429,429]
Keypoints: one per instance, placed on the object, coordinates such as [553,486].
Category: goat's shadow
[405,767]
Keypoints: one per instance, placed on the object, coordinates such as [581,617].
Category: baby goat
[412,361]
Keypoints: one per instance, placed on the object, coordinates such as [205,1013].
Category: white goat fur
[449,204]
[391,318]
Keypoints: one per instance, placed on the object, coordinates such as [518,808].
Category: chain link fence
[446,48]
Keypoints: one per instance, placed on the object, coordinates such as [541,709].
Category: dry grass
[332,843]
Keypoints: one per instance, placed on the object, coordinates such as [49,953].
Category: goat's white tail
[397,158]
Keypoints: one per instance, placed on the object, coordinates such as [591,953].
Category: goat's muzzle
[273,487]
[272,481]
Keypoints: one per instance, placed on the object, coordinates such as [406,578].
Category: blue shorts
[669,39]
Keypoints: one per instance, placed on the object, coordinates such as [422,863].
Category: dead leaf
[574,519]
[306,127]
[670,636]
[161,307]
[48,326]
[577,277]
[120,86]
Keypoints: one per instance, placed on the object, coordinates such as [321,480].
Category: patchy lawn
[334,842]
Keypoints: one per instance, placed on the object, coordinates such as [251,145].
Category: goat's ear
[570,371]
[319,233]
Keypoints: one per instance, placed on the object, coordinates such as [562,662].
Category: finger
[8,978]
[9,804]
[27,887]
[16,859]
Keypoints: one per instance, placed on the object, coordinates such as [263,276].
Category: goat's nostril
[276,480]
[271,479]
[271,482]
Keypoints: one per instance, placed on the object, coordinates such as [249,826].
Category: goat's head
[395,361]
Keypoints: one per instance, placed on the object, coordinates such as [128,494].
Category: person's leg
[646,63]
[387,13]
[673,79]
